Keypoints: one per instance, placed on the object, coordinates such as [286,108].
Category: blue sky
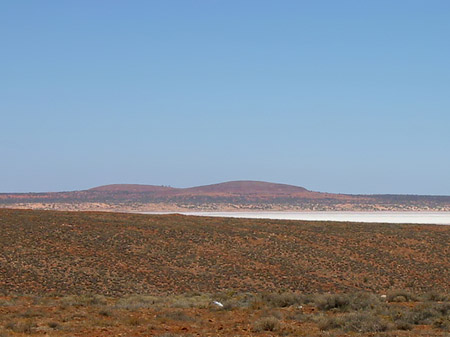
[336,96]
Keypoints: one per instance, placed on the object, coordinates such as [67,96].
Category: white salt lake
[437,218]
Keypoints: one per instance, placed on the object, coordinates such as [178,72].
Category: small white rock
[218,304]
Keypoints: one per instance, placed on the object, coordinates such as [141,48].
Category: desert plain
[122,274]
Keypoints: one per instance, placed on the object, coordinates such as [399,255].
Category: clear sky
[336,96]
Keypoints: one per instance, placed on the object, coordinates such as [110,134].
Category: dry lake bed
[437,218]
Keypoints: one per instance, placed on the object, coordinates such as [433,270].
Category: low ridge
[135,188]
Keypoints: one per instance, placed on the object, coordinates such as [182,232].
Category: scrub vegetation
[242,314]
[110,274]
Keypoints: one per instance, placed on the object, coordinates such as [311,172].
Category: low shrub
[23,327]
[403,325]
[31,313]
[365,322]
[105,312]
[182,302]
[328,323]
[355,322]
[442,323]
[53,325]
[442,308]
[271,313]
[135,321]
[423,314]
[136,302]
[363,301]
[281,300]
[299,317]
[332,301]
[400,296]
[84,300]
[434,296]
[266,324]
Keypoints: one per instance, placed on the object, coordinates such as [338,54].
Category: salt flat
[437,218]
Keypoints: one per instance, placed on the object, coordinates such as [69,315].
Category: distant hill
[227,196]
[246,187]
[131,188]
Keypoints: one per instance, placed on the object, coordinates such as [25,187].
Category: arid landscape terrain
[223,168]
[229,196]
[111,274]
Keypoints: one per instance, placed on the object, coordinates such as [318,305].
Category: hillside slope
[112,253]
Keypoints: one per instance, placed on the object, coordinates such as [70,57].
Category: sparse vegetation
[110,254]
[345,302]
[125,274]
[346,314]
